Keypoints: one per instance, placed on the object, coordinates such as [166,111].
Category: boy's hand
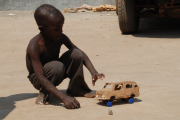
[96,76]
[71,103]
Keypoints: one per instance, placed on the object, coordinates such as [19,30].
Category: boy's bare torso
[48,51]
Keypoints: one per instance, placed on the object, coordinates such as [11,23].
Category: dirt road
[151,58]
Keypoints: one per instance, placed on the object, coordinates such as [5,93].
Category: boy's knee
[77,54]
[54,68]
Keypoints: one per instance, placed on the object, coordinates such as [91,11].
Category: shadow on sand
[7,104]
[55,101]
[119,102]
[159,28]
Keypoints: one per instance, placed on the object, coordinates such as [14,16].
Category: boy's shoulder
[37,41]
[63,36]
[34,42]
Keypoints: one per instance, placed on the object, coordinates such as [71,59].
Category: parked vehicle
[130,11]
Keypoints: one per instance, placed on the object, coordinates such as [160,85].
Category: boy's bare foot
[42,99]
[91,94]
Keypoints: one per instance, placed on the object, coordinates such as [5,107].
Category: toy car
[126,90]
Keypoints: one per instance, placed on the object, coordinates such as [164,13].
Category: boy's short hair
[44,12]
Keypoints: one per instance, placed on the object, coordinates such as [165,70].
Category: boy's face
[53,28]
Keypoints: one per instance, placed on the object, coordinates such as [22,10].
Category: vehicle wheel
[128,19]
[117,7]
[109,104]
[130,101]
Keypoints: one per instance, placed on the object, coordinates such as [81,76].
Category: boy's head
[50,21]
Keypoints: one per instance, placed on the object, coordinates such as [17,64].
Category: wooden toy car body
[126,89]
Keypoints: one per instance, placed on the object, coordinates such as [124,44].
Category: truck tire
[128,19]
[117,7]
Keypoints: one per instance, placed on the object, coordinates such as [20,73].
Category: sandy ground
[151,58]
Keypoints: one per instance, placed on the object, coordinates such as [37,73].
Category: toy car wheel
[130,101]
[109,104]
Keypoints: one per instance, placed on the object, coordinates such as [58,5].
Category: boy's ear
[41,28]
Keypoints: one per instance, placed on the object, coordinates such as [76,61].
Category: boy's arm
[86,60]
[69,102]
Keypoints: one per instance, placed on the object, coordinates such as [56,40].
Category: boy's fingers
[103,75]
[75,105]
[78,105]
[72,107]
[93,77]
[96,77]
[94,81]
[68,106]
[93,84]
[99,76]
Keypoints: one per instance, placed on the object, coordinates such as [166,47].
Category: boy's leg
[54,72]
[73,62]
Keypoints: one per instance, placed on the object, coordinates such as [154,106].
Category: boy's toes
[39,101]
[87,94]
[90,94]
[42,99]
[46,103]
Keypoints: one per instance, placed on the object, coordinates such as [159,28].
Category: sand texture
[151,58]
